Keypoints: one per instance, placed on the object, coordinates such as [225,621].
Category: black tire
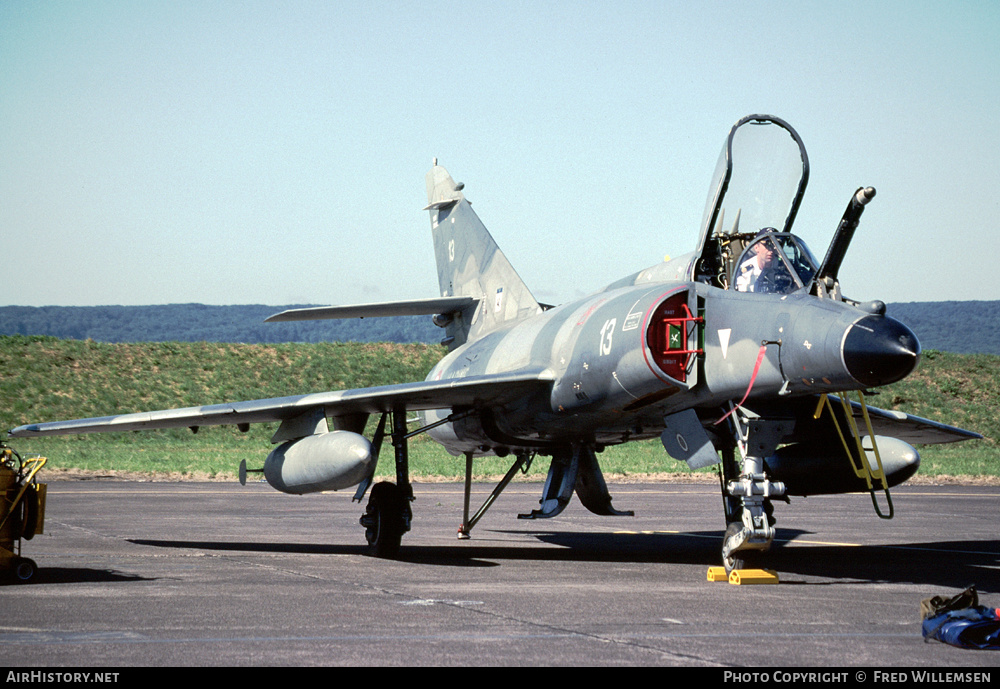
[383,520]
[741,559]
[24,570]
[15,519]
[29,521]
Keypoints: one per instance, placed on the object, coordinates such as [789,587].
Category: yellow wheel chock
[743,577]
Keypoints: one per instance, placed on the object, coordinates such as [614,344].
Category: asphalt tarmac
[212,574]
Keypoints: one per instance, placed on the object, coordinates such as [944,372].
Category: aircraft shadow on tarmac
[78,575]
[241,546]
[953,564]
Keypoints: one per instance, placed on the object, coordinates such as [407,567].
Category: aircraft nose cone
[879,350]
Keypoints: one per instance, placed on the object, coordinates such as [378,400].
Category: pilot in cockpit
[768,261]
[758,259]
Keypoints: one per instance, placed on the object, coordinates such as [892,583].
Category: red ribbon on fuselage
[753,377]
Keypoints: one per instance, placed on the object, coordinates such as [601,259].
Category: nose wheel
[738,559]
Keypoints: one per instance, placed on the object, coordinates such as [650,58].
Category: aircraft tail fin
[470,264]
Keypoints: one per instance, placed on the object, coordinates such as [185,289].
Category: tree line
[203,323]
[967,327]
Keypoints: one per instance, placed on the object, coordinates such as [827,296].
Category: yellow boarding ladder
[864,471]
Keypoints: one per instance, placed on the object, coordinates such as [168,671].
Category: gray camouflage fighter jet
[738,353]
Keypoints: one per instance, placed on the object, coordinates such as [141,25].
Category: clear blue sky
[274,152]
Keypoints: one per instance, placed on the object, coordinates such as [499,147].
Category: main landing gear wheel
[383,520]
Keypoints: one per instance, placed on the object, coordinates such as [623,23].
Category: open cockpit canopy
[758,183]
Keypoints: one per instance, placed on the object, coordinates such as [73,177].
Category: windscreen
[776,263]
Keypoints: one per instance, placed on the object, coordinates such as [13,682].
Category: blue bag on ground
[977,627]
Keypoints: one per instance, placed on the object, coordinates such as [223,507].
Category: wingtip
[280,317]
[22,431]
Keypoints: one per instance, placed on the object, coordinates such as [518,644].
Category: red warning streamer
[753,378]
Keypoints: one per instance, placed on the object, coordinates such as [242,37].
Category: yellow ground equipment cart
[22,511]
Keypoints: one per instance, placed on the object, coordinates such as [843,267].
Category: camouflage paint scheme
[673,351]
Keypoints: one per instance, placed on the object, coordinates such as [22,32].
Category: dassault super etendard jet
[738,354]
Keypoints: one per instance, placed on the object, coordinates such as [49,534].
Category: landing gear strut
[747,496]
[573,469]
[387,516]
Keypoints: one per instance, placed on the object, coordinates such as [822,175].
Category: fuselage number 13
[606,332]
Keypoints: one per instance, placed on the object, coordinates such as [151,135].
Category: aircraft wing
[912,429]
[413,307]
[442,394]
